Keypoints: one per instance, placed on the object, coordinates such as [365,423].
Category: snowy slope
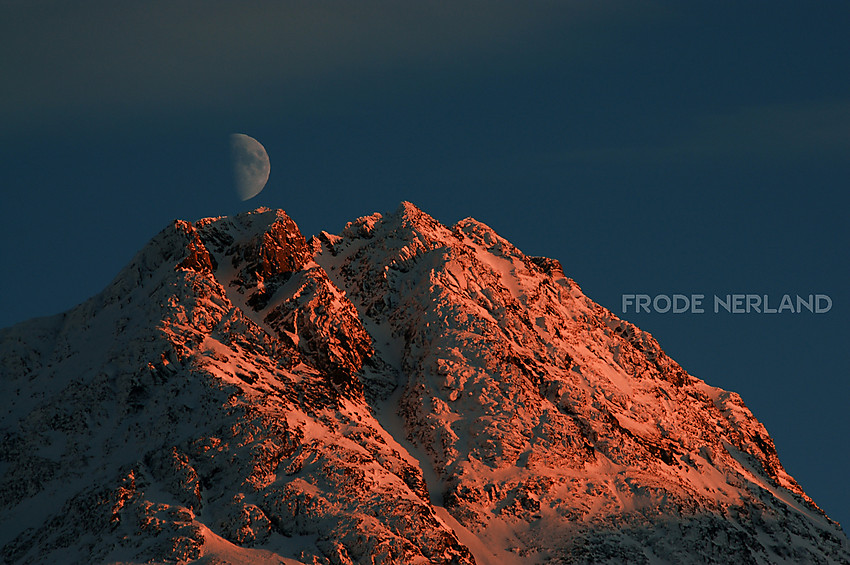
[402,392]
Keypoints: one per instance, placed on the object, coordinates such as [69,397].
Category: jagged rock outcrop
[403,392]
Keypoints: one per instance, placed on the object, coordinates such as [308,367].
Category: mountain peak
[401,392]
[408,216]
[406,208]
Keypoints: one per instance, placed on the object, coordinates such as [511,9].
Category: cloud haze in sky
[103,60]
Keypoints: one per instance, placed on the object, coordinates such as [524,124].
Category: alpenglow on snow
[402,392]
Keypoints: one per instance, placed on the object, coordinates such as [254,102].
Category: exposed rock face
[403,392]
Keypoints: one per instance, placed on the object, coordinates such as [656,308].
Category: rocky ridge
[402,392]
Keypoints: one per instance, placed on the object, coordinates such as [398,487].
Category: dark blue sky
[652,147]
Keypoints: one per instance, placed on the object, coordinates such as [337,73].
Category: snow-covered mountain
[403,392]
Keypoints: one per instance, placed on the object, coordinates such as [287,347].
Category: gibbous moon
[250,163]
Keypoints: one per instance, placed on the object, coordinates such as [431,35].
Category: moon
[250,164]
